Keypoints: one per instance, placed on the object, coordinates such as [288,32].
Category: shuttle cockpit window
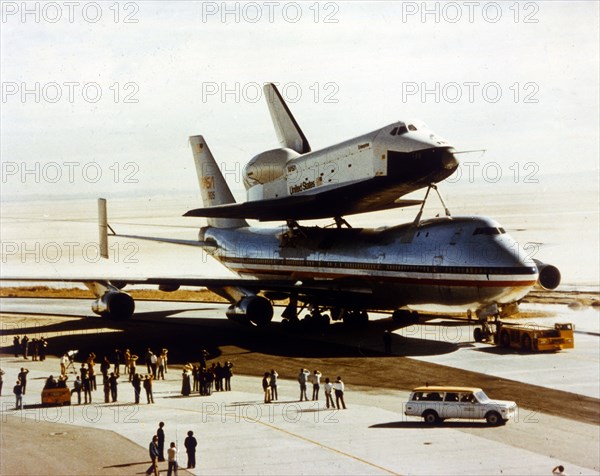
[399,130]
[412,127]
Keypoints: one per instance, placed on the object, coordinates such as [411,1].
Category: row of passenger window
[518,270]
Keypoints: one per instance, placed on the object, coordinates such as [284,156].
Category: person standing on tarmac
[137,387]
[273,383]
[328,398]
[18,391]
[172,457]
[316,380]
[23,379]
[148,388]
[302,380]
[190,444]
[338,387]
[161,441]
[113,381]
[266,385]
[153,451]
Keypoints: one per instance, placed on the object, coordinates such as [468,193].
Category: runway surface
[238,434]
[574,370]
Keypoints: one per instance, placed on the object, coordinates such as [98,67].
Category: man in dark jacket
[190,444]
[137,387]
[153,451]
[23,379]
[18,391]
[112,383]
[161,441]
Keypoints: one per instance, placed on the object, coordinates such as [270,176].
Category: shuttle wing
[315,204]
[306,207]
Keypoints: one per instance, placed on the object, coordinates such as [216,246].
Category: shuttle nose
[449,160]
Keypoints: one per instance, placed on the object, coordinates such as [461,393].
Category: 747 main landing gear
[312,320]
[354,317]
[317,318]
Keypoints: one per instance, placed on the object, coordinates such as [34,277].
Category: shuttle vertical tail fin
[213,187]
[287,129]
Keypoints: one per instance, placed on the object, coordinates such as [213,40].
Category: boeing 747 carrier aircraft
[466,263]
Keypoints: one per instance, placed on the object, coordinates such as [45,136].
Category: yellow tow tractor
[527,338]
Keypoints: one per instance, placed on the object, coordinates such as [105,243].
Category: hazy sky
[100,98]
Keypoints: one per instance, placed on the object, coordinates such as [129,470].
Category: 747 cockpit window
[489,230]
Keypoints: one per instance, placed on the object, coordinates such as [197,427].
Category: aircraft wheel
[400,315]
[505,339]
[349,318]
[337,313]
[526,343]
[356,318]
[363,318]
[478,334]
[324,320]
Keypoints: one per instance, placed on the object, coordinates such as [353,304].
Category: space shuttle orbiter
[363,174]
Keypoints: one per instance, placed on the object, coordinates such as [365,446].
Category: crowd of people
[269,386]
[204,379]
[36,348]
[201,378]
[110,369]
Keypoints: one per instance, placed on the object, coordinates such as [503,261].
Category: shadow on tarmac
[445,424]
[185,337]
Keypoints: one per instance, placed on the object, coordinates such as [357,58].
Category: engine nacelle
[252,309]
[114,305]
[548,275]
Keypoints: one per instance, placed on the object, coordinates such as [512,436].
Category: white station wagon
[436,404]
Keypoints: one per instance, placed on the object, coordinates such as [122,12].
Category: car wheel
[478,334]
[493,418]
[431,417]
[505,339]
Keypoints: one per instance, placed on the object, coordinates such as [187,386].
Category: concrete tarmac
[239,434]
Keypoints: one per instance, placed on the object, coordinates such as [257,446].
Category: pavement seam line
[308,440]
[273,427]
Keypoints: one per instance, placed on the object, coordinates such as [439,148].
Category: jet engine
[114,305]
[256,310]
[548,275]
